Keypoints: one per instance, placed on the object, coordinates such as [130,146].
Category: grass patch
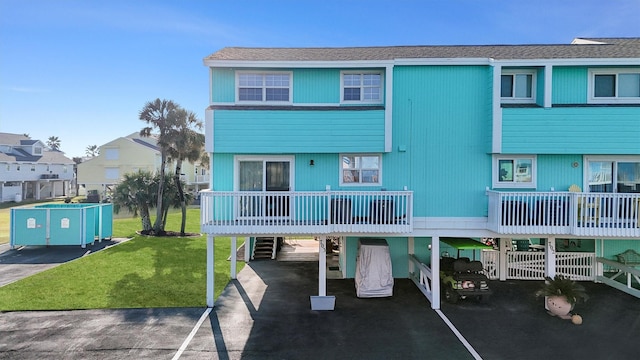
[143,272]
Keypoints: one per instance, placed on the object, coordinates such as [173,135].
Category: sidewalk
[28,260]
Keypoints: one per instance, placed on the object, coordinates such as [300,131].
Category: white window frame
[616,99]
[37,150]
[606,158]
[264,159]
[360,183]
[519,100]
[380,99]
[495,176]
[264,87]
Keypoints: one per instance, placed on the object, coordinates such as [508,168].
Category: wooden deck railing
[301,212]
[582,214]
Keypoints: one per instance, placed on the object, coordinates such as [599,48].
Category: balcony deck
[604,215]
[313,213]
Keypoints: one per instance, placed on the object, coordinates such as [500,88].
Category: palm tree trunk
[145,218]
[158,226]
[183,204]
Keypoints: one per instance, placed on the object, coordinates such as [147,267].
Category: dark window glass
[506,86]
[605,86]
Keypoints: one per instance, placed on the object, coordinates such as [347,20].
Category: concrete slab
[265,314]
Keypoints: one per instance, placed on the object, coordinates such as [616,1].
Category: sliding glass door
[264,175]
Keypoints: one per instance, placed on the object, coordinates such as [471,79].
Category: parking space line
[193,332]
[464,341]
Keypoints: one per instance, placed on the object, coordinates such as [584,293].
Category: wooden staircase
[265,248]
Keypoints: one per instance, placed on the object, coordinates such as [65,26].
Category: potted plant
[561,295]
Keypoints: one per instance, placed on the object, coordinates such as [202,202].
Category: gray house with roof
[29,170]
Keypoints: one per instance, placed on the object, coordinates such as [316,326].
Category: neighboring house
[29,170]
[417,143]
[129,154]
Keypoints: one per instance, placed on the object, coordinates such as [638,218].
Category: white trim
[208,130]
[591,99]
[388,109]
[362,87]
[496,145]
[341,169]
[297,64]
[548,86]
[514,185]
[514,73]
[264,86]
[421,61]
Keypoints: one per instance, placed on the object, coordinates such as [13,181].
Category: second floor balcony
[602,215]
[314,213]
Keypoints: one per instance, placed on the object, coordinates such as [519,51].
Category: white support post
[247,249]
[234,256]
[435,272]
[210,270]
[550,257]
[412,251]
[322,266]
[502,260]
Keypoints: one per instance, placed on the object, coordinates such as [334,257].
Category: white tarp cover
[374,277]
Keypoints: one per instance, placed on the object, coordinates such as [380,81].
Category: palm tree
[156,114]
[53,143]
[92,151]
[186,144]
[136,193]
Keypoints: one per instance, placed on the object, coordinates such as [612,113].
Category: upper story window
[514,171]
[37,150]
[518,86]
[614,86]
[112,154]
[360,169]
[361,87]
[264,87]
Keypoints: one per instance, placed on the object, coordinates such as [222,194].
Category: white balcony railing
[571,213]
[328,212]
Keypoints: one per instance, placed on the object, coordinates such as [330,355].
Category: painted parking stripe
[186,342]
[464,341]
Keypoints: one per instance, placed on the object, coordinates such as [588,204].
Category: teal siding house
[532,148]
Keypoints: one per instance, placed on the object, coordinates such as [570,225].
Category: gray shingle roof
[604,48]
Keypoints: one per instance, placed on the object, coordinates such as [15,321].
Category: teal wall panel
[316,86]
[281,131]
[442,118]
[557,172]
[571,130]
[222,172]
[569,85]
[224,85]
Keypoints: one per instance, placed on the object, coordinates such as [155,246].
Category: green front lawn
[142,272]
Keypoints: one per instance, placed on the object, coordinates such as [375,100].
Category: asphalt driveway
[266,314]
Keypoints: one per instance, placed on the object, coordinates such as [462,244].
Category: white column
[550,257]
[502,260]
[435,272]
[412,251]
[247,249]
[322,266]
[210,270]
[234,251]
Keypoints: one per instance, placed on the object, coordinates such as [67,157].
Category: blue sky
[82,70]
